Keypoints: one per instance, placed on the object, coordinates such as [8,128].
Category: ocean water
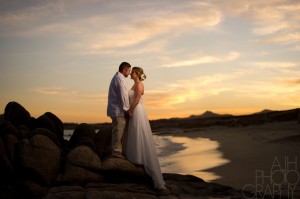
[185,155]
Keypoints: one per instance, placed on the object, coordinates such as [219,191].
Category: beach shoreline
[253,152]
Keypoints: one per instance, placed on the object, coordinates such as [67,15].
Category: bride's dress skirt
[138,144]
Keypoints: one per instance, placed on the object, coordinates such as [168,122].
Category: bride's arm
[138,93]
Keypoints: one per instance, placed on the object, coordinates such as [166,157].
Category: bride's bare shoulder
[140,85]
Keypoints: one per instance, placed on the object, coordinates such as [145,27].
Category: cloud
[185,91]
[276,20]
[30,15]
[278,65]
[283,91]
[140,28]
[53,91]
[287,38]
[270,28]
[103,31]
[244,85]
[290,81]
[72,96]
[203,60]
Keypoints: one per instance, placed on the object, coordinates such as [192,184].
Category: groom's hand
[127,114]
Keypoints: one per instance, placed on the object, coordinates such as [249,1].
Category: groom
[118,105]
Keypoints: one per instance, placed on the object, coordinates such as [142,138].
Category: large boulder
[47,133]
[33,190]
[6,167]
[59,126]
[9,134]
[45,122]
[16,114]
[39,159]
[121,170]
[50,121]
[84,134]
[66,192]
[103,142]
[11,144]
[96,193]
[24,132]
[7,127]
[82,166]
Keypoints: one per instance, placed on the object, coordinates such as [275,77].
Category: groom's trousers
[118,128]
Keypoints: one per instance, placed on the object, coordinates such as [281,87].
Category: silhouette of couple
[131,131]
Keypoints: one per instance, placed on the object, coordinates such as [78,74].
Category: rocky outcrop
[36,162]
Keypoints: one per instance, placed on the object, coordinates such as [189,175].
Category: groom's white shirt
[118,100]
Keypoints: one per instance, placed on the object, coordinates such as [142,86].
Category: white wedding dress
[139,147]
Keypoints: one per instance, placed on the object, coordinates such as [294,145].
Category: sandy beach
[256,157]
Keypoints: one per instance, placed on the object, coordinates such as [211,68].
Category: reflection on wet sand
[189,156]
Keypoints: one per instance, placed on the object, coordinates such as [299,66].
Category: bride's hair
[140,72]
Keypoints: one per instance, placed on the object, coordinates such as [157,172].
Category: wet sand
[258,156]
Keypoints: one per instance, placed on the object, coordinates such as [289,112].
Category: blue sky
[235,57]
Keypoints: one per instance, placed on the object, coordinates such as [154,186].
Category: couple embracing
[131,131]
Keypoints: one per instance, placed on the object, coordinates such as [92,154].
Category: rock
[82,166]
[33,190]
[6,167]
[39,159]
[122,187]
[66,192]
[187,186]
[103,142]
[7,127]
[51,122]
[9,184]
[122,165]
[84,134]
[9,134]
[85,157]
[45,122]
[11,143]
[47,133]
[24,132]
[121,170]
[96,193]
[59,126]
[180,187]
[16,114]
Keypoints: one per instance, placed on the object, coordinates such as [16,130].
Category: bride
[139,147]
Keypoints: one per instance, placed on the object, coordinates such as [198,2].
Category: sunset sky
[233,56]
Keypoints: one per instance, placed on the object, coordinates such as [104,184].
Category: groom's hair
[124,65]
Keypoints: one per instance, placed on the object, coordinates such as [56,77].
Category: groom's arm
[124,94]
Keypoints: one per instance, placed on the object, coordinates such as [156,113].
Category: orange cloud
[204,60]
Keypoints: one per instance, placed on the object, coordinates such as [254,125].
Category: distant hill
[263,112]
[209,118]
[209,114]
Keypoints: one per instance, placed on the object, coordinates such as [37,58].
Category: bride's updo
[140,72]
